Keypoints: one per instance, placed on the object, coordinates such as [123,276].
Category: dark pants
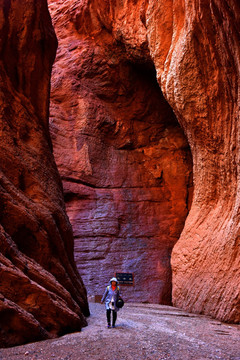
[114,317]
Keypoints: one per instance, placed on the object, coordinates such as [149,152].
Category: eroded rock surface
[125,163]
[200,79]
[41,292]
[194,46]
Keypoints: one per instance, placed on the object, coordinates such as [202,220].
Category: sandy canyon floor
[143,331]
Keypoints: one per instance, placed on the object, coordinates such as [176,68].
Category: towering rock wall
[125,163]
[41,293]
[200,79]
[194,46]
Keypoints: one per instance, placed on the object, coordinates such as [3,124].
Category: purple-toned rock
[126,178]
[125,163]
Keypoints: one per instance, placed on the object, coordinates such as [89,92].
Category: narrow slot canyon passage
[123,176]
[125,164]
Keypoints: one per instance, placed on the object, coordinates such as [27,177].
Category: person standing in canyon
[111,297]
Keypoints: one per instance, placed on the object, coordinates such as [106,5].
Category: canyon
[144,126]
[125,163]
[41,292]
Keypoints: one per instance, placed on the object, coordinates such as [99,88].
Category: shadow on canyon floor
[143,331]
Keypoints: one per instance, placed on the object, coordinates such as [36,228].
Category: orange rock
[200,82]
[124,160]
[42,294]
[194,49]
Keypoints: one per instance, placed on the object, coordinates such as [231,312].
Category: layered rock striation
[109,118]
[41,292]
[125,163]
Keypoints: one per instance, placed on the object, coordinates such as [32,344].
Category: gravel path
[143,332]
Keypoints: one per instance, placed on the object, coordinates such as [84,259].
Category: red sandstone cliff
[201,82]
[125,163]
[194,47]
[41,292]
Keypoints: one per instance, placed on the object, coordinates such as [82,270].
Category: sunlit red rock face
[194,46]
[41,292]
[201,82]
[124,160]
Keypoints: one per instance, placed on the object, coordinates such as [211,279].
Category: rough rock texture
[125,163]
[194,46]
[207,256]
[41,292]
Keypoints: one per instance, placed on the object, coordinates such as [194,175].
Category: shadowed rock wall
[194,46]
[41,292]
[123,158]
